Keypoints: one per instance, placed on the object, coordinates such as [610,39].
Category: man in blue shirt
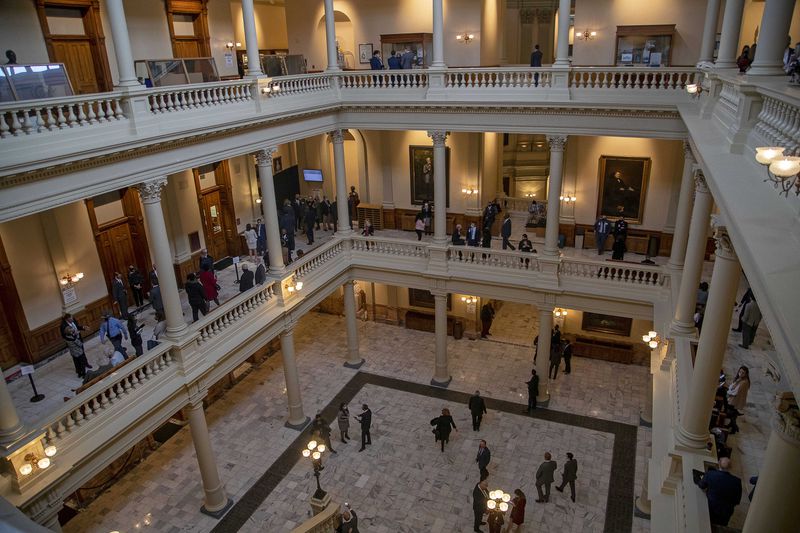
[724,492]
[375,63]
[114,329]
[601,230]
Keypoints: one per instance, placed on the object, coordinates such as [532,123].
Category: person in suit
[135,281]
[555,360]
[567,355]
[486,238]
[120,294]
[352,203]
[427,215]
[334,216]
[365,419]
[153,276]
[394,61]
[407,59]
[724,492]
[483,458]
[544,477]
[569,475]
[748,295]
[206,259]
[621,228]
[157,302]
[555,337]
[261,231]
[480,494]
[247,279]
[477,407]
[135,331]
[197,295]
[533,390]
[375,62]
[442,425]
[321,427]
[473,237]
[457,239]
[505,232]
[618,249]
[487,315]
[310,220]
[298,209]
[536,61]
[602,228]
[71,333]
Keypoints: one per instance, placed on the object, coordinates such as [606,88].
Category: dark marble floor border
[619,506]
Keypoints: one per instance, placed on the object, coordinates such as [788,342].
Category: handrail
[390,246]
[234,309]
[506,259]
[615,272]
[324,522]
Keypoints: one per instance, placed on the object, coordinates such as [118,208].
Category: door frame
[202,37]
[223,177]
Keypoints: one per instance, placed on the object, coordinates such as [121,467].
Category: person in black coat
[618,249]
[486,238]
[120,294]
[323,429]
[457,239]
[247,279]
[442,427]
[261,274]
[487,316]
[567,354]
[154,276]
[135,331]
[533,390]
[135,281]
[505,232]
[483,458]
[480,494]
[477,407]
[310,221]
[197,295]
[365,418]
[555,360]
[724,492]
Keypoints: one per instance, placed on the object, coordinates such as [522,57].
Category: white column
[215,501]
[441,374]
[251,40]
[439,186]
[775,23]
[557,144]
[642,502]
[330,38]
[354,359]
[685,201]
[269,209]
[150,192]
[438,35]
[296,420]
[683,322]
[729,40]
[562,43]
[779,477]
[10,425]
[343,214]
[543,357]
[709,32]
[693,431]
[122,44]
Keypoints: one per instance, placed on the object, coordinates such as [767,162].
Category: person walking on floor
[323,429]
[750,321]
[442,426]
[544,477]
[197,296]
[120,295]
[533,391]
[483,458]
[517,517]
[477,407]
[344,421]
[555,361]
[114,329]
[505,232]
[480,494]
[487,315]
[365,419]
[569,475]
[567,354]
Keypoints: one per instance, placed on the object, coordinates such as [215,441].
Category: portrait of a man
[623,184]
[422,179]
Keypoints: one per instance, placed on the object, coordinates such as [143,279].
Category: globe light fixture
[315,450]
[782,170]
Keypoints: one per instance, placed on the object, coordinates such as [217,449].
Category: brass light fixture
[586,35]
[465,37]
[782,170]
[34,462]
[70,279]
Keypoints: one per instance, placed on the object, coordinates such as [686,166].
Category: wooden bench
[604,349]
[422,321]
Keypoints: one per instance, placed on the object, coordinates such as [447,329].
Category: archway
[345,36]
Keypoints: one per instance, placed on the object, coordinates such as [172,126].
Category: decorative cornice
[337,137]
[439,137]
[557,142]
[700,184]
[787,423]
[264,157]
[150,190]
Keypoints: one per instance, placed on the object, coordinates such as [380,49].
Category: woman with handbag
[209,281]
[442,426]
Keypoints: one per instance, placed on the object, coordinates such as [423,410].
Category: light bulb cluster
[314,450]
[694,89]
[68,279]
[530,195]
[559,313]
[652,339]
[469,191]
[568,198]
[782,170]
[498,501]
[294,286]
[270,89]
[586,35]
[469,300]
[33,462]
[230,45]
[465,38]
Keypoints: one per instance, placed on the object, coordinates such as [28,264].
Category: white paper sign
[69,295]
[229,59]
[26,369]
[235,259]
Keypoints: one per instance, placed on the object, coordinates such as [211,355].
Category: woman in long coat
[209,281]
[443,424]
[344,421]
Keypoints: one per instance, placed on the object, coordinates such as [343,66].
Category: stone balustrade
[619,273]
[313,261]
[325,522]
[199,95]
[49,115]
[395,79]
[392,247]
[301,84]
[495,259]
[647,79]
[225,316]
[484,78]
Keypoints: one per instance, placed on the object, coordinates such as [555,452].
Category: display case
[279,64]
[421,44]
[645,46]
[167,72]
[34,81]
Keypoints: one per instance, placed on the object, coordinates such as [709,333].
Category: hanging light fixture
[652,339]
[70,279]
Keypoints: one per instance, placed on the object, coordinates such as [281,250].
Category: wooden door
[214,223]
[76,54]
[115,244]
[186,48]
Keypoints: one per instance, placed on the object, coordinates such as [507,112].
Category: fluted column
[330,38]
[557,145]
[438,35]
[296,420]
[775,23]
[693,431]
[150,192]
[543,357]
[10,425]
[441,375]
[215,500]
[562,44]
[683,322]
[779,477]
[729,40]
[354,359]
[709,32]
[343,214]
[269,209]
[439,186]
[251,39]
[122,44]
[685,201]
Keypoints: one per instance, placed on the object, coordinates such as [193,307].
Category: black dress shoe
[361,449]
[559,489]
[540,501]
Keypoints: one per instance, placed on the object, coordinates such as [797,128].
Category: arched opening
[345,38]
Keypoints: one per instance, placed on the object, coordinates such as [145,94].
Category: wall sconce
[230,45]
[652,339]
[694,90]
[470,302]
[294,286]
[258,200]
[567,198]
[782,170]
[270,89]
[33,462]
[465,38]
[69,279]
[559,313]
[468,191]
[586,35]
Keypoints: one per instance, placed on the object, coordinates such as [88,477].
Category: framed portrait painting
[364,53]
[623,185]
[613,325]
[421,166]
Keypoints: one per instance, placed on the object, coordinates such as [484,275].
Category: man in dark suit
[483,458]
[120,294]
[601,230]
[477,407]
[157,302]
[536,61]
[533,390]
[261,232]
[505,232]
[472,235]
[479,496]
[154,276]
[567,354]
[206,259]
[247,279]
[555,360]
[365,418]
[544,476]
[724,492]
[569,475]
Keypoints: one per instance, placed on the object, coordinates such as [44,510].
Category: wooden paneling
[76,54]
[197,45]
[637,241]
[186,47]
[182,269]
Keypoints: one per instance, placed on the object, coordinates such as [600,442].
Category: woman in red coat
[517,512]
[209,281]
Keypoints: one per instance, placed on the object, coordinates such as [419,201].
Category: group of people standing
[397,61]
[603,228]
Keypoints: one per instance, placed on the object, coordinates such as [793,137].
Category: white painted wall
[270,25]
[20,31]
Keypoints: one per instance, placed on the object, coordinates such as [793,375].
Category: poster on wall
[364,53]
[421,165]
[613,325]
[623,184]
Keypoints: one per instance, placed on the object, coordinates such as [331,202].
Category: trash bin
[579,237]
[458,329]
[562,240]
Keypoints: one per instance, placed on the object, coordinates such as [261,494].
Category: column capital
[288,327]
[687,151]
[723,240]
[349,283]
[557,142]
[439,137]
[787,421]
[337,136]
[264,156]
[438,293]
[700,184]
[150,190]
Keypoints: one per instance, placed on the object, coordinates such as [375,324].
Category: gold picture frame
[623,187]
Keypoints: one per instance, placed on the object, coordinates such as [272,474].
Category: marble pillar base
[442,384]
[299,426]
[641,508]
[319,502]
[218,513]
[348,364]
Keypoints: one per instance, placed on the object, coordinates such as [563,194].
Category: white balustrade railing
[98,399]
[302,84]
[232,311]
[779,124]
[199,95]
[622,273]
[666,79]
[473,255]
[524,78]
[393,247]
[52,114]
[510,203]
[376,79]
[305,266]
